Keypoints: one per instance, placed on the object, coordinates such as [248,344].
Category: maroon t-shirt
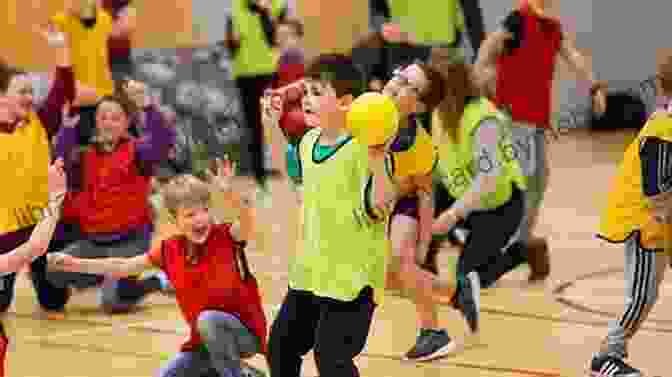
[118,47]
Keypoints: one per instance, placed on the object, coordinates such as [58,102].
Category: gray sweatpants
[529,145]
[113,292]
[644,271]
[227,340]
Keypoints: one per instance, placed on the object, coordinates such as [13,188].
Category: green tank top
[435,22]
[339,255]
[457,168]
[255,56]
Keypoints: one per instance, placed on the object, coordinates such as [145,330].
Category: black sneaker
[611,366]
[430,345]
[468,300]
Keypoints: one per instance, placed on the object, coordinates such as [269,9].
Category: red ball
[293,123]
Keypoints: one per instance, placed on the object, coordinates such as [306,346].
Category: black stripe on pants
[251,89]
[335,330]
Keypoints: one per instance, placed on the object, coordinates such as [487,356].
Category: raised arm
[507,36]
[63,89]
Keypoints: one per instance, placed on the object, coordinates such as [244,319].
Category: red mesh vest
[114,194]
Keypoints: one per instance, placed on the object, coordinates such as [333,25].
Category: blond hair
[184,191]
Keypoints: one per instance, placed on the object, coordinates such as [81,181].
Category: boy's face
[320,103]
[194,222]
[111,122]
[405,88]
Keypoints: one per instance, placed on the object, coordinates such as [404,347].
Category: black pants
[49,296]
[251,89]
[489,234]
[335,330]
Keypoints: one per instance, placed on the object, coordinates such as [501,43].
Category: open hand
[138,92]
[53,36]
[221,173]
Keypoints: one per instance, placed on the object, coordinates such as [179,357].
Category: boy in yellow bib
[638,214]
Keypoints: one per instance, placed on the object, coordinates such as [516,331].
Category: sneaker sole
[598,374]
[441,352]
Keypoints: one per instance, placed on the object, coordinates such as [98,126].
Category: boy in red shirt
[214,287]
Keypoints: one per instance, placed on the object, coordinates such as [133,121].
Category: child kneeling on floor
[214,287]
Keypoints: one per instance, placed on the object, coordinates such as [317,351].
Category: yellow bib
[88,50]
[24,161]
[418,160]
[627,209]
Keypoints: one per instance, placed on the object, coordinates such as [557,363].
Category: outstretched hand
[221,173]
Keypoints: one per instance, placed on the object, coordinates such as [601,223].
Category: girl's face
[111,122]
[9,111]
[194,223]
[320,103]
[21,90]
[405,88]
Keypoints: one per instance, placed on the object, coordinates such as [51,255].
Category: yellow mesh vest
[24,161]
[627,210]
[88,51]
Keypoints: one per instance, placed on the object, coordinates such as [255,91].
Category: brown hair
[339,71]
[435,92]
[7,72]
[664,76]
[295,24]
[459,88]
[126,105]
[185,191]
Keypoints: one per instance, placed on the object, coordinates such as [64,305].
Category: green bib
[457,168]
[434,22]
[338,255]
[255,56]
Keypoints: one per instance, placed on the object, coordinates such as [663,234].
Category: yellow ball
[373,118]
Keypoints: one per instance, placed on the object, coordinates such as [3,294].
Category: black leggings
[335,330]
[251,89]
[489,234]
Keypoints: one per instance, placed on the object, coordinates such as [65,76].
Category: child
[638,215]
[24,156]
[111,185]
[214,287]
[36,245]
[482,185]
[88,28]
[411,159]
[518,64]
[338,276]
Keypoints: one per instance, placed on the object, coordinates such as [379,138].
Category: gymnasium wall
[161,24]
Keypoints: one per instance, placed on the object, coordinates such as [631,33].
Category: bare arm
[576,60]
[39,239]
[116,267]
[485,67]
[125,23]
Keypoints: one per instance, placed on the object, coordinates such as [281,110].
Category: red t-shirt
[525,71]
[219,280]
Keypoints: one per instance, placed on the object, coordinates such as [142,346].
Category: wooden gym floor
[529,332]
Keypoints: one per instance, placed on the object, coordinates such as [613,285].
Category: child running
[638,214]
[481,186]
[338,275]
[410,160]
[214,286]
